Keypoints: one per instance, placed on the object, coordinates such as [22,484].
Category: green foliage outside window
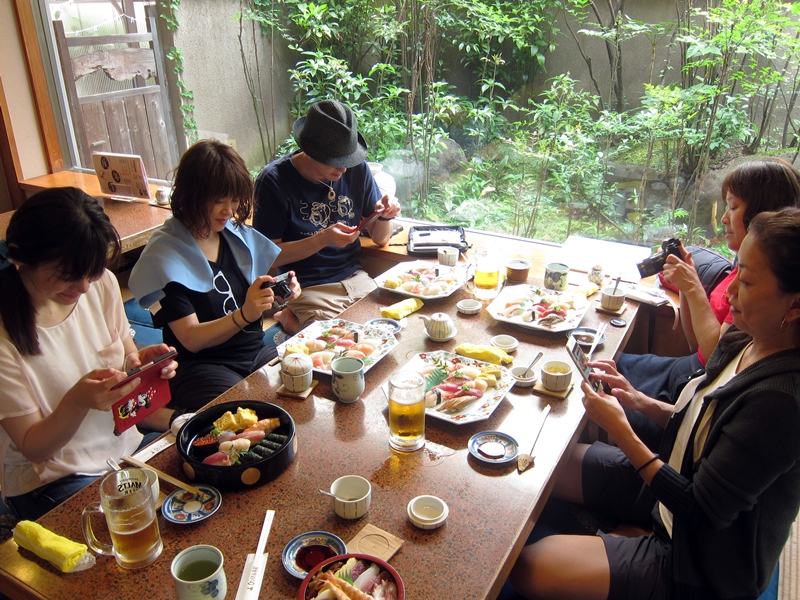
[423,75]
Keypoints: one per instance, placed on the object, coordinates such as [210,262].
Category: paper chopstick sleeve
[401,309]
[62,552]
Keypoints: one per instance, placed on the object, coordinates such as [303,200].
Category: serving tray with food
[352,576]
[325,340]
[422,279]
[235,444]
[535,307]
[460,389]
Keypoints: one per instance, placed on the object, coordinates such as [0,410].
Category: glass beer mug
[407,411]
[126,501]
[488,278]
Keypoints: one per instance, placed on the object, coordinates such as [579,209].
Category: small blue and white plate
[389,325]
[493,447]
[309,549]
[182,506]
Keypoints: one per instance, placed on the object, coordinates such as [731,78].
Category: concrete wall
[636,53]
[214,72]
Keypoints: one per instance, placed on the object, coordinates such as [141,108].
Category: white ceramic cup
[556,375]
[353,496]
[198,572]
[611,300]
[347,378]
[447,256]
[556,276]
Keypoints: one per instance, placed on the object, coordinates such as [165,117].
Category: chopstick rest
[65,554]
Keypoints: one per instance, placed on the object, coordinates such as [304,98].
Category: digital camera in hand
[280,287]
[655,263]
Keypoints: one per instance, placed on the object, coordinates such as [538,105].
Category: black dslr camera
[655,264]
[280,287]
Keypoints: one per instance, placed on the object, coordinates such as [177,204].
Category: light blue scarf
[172,254]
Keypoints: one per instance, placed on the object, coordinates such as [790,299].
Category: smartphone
[153,363]
[581,361]
[367,220]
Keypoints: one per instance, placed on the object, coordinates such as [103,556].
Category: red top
[720,304]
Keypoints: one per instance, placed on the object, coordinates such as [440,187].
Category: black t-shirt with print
[230,290]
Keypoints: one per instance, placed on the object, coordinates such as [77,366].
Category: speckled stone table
[492,509]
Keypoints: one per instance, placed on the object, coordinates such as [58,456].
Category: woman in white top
[64,343]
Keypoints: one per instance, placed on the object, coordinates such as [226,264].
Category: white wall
[19,97]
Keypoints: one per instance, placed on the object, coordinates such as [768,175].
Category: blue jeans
[43,499]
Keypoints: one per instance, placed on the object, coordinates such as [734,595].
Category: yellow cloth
[401,309]
[485,353]
[50,546]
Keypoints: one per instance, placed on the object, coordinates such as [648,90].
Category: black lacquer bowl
[250,473]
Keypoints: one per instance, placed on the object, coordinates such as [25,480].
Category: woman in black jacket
[723,492]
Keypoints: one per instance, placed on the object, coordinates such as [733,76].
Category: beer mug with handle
[486,278]
[126,501]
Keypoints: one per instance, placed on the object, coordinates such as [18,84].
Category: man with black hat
[310,203]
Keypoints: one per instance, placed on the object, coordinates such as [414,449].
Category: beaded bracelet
[649,462]
[233,317]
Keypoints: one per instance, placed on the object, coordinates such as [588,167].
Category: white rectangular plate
[479,410]
[517,304]
[423,279]
[334,330]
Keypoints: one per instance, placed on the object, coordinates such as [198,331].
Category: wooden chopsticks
[168,478]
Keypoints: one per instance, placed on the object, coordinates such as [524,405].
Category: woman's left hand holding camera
[683,273]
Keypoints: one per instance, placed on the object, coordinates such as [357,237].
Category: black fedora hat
[329,135]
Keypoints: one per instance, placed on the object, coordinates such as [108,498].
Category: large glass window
[110,74]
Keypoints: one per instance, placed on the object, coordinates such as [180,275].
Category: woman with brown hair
[201,276]
[749,189]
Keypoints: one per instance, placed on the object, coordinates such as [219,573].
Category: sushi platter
[422,279]
[534,307]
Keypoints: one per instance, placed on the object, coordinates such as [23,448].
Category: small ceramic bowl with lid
[428,512]
[505,342]
[469,307]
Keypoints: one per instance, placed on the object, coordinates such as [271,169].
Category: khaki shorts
[326,301]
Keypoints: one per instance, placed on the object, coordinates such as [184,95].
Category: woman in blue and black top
[201,276]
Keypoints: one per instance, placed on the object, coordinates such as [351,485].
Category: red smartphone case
[150,395]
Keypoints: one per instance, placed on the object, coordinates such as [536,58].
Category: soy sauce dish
[268,459]
[309,549]
[585,336]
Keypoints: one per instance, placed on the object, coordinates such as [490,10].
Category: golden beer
[126,502]
[134,543]
[406,425]
[487,280]
[407,411]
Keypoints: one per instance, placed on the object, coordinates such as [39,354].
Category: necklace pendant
[331,194]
